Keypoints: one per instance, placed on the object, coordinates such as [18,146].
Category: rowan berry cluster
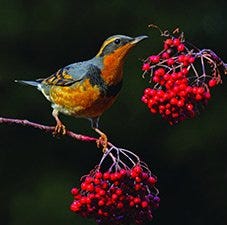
[117,196]
[182,78]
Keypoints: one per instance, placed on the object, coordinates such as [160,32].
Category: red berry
[84,186]
[156,79]
[191,59]
[159,72]
[182,86]
[160,93]
[97,181]
[98,175]
[170,61]
[181,58]
[198,97]
[101,202]
[102,192]
[118,191]
[137,187]
[175,115]
[165,55]
[176,89]
[150,102]
[138,179]
[154,111]
[180,47]
[109,202]
[176,42]
[97,196]
[78,196]
[75,206]
[117,175]
[184,71]
[144,204]
[161,110]
[137,169]
[131,203]
[188,89]
[173,101]
[90,187]
[166,76]
[207,95]
[190,107]
[194,90]
[106,176]
[98,189]
[91,196]
[146,67]
[212,82]
[174,76]
[105,185]
[147,92]
[169,84]
[144,99]
[105,214]
[137,200]
[154,58]
[167,112]
[201,90]
[152,180]
[180,103]
[114,196]
[120,205]
[74,191]
[169,42]
[123,172]
[100,212]
[182,94]
[83,200]
[88,179]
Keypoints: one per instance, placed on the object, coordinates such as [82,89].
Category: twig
[45,128]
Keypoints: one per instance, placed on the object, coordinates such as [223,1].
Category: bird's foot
[59,129]
[102,141]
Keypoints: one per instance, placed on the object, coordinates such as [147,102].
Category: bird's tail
[31,83]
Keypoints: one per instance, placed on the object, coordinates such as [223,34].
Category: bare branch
[49,129]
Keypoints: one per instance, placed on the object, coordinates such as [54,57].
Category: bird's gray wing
[69,74]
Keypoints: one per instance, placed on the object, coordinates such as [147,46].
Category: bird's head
[118,45]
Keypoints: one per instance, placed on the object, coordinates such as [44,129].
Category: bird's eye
[117,41]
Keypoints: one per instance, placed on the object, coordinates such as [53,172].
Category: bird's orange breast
[81,99]
[112,71]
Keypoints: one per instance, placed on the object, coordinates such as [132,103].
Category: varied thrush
[86,89]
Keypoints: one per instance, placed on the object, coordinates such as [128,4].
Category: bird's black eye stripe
[117,41]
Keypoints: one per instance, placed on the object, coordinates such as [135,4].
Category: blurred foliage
[37,171]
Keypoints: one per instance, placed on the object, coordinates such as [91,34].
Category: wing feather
[71,74]
[60,78]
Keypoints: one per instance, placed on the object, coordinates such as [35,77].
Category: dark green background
[37,171]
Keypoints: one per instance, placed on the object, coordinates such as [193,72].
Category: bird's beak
[138,39]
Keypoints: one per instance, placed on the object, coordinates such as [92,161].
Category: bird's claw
[59,130]
[102,141]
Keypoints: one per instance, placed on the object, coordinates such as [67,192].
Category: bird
[88,88]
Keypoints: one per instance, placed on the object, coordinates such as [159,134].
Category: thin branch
[49,129]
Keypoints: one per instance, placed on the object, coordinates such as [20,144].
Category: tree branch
[45,128]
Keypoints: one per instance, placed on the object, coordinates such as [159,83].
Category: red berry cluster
[117,198]
[181,81]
